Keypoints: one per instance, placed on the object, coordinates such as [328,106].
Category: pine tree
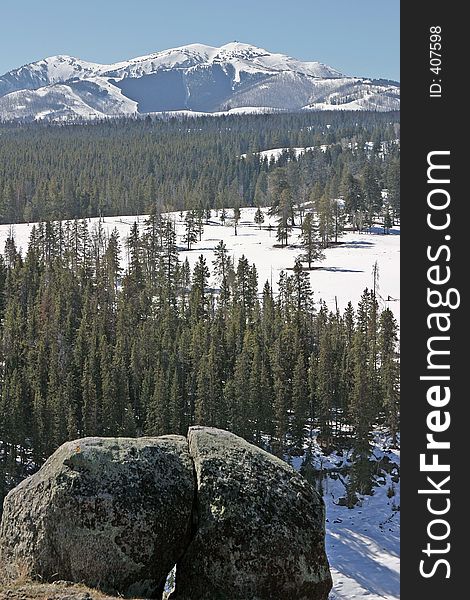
[393,187]
[191,232]
[153,233]
[112,265]
[363,405]
[282,370]
[245,286]
[223,216]
[325,387]
[371,192]
[389,372]
[339,219]
[261,189]
[11,253]
[301,289]
[258,400]
[353,198]
[199,213]
[259,217]
[387,220]
[309,240]
[135,254]
[90,402]
[170,260]
[285,216]
[223,269]
[177,414]
[209,391]
[199,294]
[241,416]
[158,417]
[326,220]
[236,217]
[300,403]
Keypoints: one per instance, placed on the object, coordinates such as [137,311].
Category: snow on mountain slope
[84,99]
[367,96]
[196,77]
[55,69]
[243,57]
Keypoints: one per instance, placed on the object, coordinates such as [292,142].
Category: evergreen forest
[129,167]
[90,348]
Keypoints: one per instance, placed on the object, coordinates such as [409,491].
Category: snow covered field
[344,274]
[363,542]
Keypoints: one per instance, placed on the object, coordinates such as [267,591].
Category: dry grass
[26,589]
[16,584]
[33,590]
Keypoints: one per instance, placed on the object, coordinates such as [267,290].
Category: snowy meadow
[341,277]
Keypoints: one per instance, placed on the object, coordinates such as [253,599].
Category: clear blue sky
[358,37]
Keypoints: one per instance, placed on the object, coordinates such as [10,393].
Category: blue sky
[358,37]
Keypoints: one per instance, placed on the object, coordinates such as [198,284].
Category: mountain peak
[60,58]
[236,45]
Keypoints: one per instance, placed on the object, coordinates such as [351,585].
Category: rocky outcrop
[113,513]
[260,526]
[118,513]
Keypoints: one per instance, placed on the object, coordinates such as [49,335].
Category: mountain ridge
[195,77]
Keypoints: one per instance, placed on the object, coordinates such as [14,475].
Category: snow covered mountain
[195,78]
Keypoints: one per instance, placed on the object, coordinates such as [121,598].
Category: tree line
[129,166]
[87,348]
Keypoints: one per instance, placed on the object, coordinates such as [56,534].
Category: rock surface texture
[260,526]
[113,513]
[118,513]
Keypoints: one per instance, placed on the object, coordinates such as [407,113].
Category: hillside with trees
[131,167]
[91,348]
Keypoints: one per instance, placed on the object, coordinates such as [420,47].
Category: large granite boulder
[260,526]
[114,513]
[118,513]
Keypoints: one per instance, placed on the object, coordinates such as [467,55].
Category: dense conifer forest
[90,348]
[127,167]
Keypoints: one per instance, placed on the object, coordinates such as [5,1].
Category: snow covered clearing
[243,110]
[342,277]
[276,153]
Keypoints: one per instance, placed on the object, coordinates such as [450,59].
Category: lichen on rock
[118,513]
[113,513]
[260,526]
